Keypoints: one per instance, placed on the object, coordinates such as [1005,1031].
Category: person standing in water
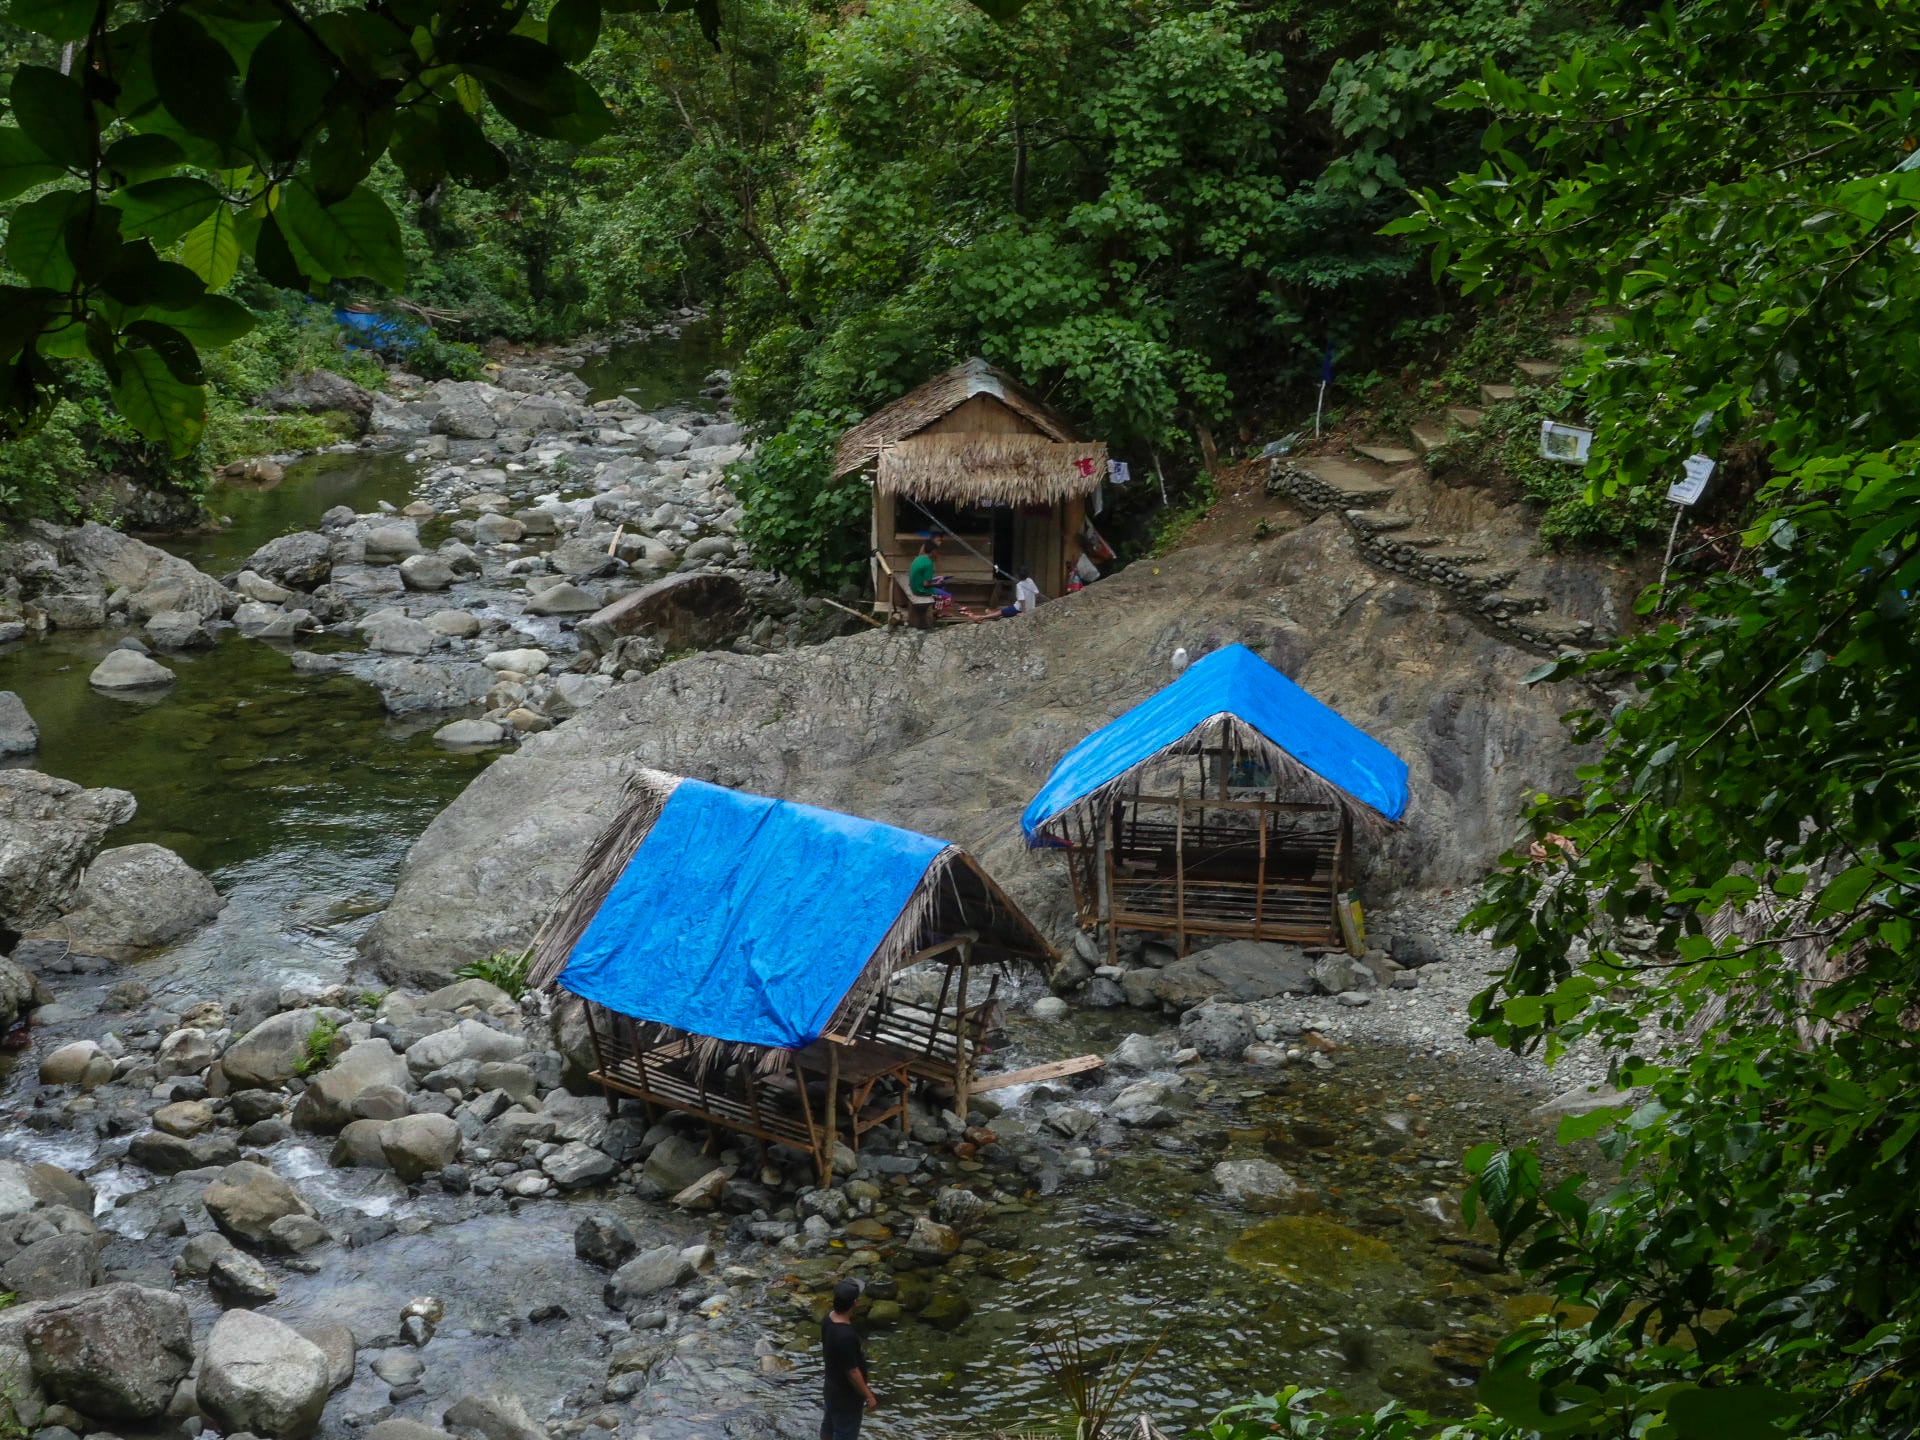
[848,1395]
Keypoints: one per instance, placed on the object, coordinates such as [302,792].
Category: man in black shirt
[846,1364]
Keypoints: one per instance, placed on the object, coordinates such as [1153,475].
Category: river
[300,796]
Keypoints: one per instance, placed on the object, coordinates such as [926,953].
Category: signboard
[1566,443]
[1699,470]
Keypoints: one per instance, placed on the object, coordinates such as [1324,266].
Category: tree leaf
[164,210]
[212,248]
[1728,1412]
[288,78]
[144,157]
[175,350]
[160,407]
[573,28]
[63,20]
[193,75]
[276,260]
[212,321]
[22,165]
[55,114]
[37,239]
[354,236]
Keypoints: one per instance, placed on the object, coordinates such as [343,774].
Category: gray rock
[49,831]
[694,611]
[296,1234]
[1337,974]
[18,734]
[498,530]
[392,541]
[58,1265]
[152,579]
[426,572]
[196,1258]
[417,1145]
[262,591]
[456,624]
[405,1430]
[393,633]
[676,1163]
[76,1063]
[1217,1029]
[316,392]
[329,1100]
[359,1146]
[124,670]
[574,1165]
[464,734]
[300,562]
[400,1367]
[270,1054]
[337,1344]
[493,1417]
[115,1353]
[16,993]
[604,1241]
[469,1040]
[177,630]
[649,1273]
[1255,1184]
[170,1154]
[573,693]
[563,599]
[1138,1052]
[262,1377]
[138,897]
[522,661]
[186,1051]
[247,1199]
[930,1240]
[239,1279]
[1240,970]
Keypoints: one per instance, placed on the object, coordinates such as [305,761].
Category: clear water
[661,371]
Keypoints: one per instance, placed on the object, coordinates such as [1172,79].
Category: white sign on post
[1568,444]
[1699,470]
[1118,473]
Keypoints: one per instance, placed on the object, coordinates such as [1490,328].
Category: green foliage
[1170,526]
[506,969]
[800,520]
[319,1047]
[1728,905]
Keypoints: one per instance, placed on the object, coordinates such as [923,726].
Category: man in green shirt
[920,576]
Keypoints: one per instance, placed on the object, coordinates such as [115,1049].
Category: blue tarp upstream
[1237,682]
[744,918]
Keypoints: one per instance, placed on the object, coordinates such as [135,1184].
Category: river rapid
[299,795]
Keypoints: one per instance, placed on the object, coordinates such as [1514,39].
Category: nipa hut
[973,456]
[1227,804]
[736,956]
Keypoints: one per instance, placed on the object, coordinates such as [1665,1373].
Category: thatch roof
[953,895]
[942,395]
[988,468]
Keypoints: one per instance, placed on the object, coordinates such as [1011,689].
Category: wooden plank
[1052,1070]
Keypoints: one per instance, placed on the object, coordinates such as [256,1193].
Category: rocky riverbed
[247,1187]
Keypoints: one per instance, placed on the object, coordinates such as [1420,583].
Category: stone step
[1539,372]
[1387,454]
[1357,486]
[1493,574]
[1428,435]
[1564,630]
[1498,394]
[1507,602]
[1420,542]
[1375,522]
[1458,556]
[1572,344]
[1464,417]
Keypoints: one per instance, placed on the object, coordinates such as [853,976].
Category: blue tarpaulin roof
[1236,682]
[746,919]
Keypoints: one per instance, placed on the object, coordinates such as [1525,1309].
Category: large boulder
[469,1040]
[648,1273]
[18,734]
[302,561]
[319,392]
[16,993]
[247,1200]
[130,670]
[1254,1184]
[271,1053]
[1218,1029]
[261,1377]
[695,611]
[867,723]
[418,1145]
[1239,970]
[327,1104]
[58,1265]
[392,632]
[137,897]
[50,830]
[153,579]
[115,1353]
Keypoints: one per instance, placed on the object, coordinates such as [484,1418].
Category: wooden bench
[917,608]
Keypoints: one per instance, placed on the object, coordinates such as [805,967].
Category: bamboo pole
[963,1063]
[1260,879]
[833,1106]
[1113,930]
[1180,872]
[806,1112]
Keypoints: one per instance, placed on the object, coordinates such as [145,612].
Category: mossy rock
[1312,1251]
[884,1314]
[946,1310]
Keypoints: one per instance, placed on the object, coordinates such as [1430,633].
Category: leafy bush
[506,969]
[318,1053]
[800,520]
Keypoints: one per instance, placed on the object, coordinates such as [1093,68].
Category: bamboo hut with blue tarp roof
[1226,805]
[735,954]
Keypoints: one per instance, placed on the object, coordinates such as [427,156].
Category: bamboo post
[806,1113]
[1260,875]
[963,1063]
[1113,930]
[593,1032]
[833,1106]
[1180,871]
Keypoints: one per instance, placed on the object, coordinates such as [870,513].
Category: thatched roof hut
[946,455]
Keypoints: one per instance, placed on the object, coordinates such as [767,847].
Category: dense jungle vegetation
[1163,213]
